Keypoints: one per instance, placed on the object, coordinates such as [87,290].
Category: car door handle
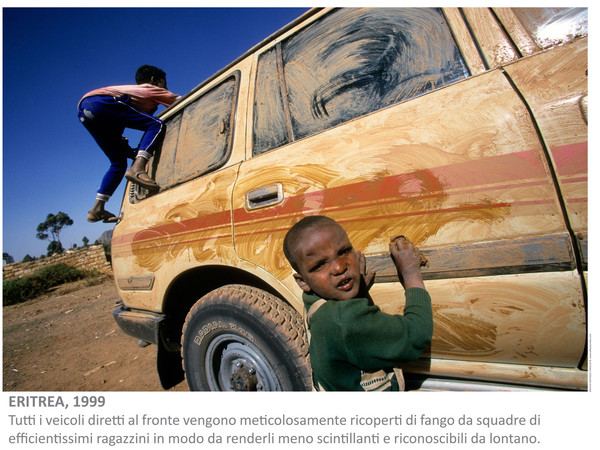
[264,196]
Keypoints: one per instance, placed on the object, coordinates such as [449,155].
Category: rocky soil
[69,341]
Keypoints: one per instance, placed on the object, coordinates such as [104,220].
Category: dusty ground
[69,341]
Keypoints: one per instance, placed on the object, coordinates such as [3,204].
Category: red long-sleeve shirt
[145,97]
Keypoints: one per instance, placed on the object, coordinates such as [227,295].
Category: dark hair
[294,233]
[145,74]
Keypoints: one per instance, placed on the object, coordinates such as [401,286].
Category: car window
[199,138]
[553,26]
[347,64]
[270,129]
[165,157]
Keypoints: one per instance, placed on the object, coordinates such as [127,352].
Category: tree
[55,247]
[85,241]
[52,228]
[7,258]
[28,258]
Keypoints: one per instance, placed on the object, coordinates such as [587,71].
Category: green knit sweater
[354,341]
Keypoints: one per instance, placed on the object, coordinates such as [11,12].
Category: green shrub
[24,288]
[58,274]
[20,289]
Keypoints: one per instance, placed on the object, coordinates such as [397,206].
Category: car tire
[240,338]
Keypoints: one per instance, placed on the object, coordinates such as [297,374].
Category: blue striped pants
[106,118]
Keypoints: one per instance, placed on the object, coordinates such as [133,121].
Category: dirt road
[69,341]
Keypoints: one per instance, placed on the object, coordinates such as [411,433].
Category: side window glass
[163,161]
[269,118]
[164,158]
[553,26]
[352,62]
[197,140]
[204,141]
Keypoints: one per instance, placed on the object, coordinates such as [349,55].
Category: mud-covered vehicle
[462,129]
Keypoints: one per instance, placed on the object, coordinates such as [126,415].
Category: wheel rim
[234,363]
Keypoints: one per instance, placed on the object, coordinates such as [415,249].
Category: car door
[188,223]
[381,120]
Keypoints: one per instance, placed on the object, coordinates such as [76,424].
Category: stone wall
[83,258]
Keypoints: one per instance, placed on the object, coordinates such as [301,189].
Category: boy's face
[328,264]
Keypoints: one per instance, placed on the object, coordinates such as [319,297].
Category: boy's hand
[408,260]
[368,277]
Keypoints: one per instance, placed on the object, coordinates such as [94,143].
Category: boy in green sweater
[354,346]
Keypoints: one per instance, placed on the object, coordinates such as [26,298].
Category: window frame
[284,99]
[137,194]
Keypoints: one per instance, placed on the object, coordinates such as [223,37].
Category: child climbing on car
[106,112]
